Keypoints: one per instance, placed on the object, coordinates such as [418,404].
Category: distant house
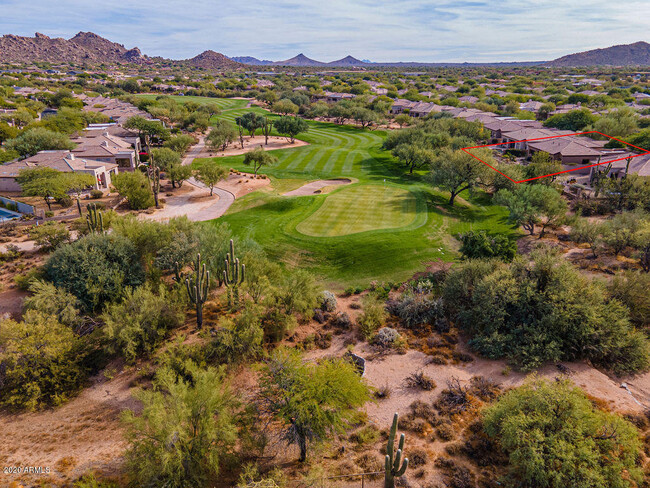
[401,105]
[106,148]
[64,161]
[422,109]
[531,106]
[333,97]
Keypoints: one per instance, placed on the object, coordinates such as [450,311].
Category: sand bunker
[314,186]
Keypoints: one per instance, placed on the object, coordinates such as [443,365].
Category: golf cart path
[314,186]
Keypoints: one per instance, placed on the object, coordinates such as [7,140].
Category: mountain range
[90,48]
[636,54]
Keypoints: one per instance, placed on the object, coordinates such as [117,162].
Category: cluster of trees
[622,231]
[540,308]
[189,115]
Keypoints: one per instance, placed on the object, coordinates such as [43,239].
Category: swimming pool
[8,214]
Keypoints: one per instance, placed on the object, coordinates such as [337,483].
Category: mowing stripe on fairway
[361,208]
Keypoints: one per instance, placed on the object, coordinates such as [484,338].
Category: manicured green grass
[385,227]
[223,103]
[361,208]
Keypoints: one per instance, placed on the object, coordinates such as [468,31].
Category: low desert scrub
[417,457]
[420,380]
[383,392]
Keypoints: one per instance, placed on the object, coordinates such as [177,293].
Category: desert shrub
[387,337]
[328,301]
[454,399]
[416,309]
[49,235]
[480,244]
[185,431]
[39,362]
[96,194]
[417,457]
[484,388]
[91,481]
[138,324]
[370,463]
[96,269]
[541,309]
[50,300]
[134,186]
[239,339]
[372,318]
[555,437]
[342,321]
[365,436]
[632,288]
[445,432]
[383,392]
[421,381]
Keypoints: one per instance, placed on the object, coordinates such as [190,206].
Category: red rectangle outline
[553,137]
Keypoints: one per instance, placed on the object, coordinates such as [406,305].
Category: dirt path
[83,434]
[314,186]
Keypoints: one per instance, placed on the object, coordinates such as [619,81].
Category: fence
[361,480]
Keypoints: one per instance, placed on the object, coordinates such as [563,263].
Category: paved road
[226,198]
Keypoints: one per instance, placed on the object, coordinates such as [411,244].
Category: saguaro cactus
[393,459]
[197,289]
[233,275]
[94,219]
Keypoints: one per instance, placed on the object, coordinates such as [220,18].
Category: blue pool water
[8,215]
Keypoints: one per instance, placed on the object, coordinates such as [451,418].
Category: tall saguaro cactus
[94,219]
[233,275]
[197,289]
[394,459]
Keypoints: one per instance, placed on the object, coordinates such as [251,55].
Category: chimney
[69,156]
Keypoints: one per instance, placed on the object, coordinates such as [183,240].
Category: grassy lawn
[385,227]
[223,103]
[361,208]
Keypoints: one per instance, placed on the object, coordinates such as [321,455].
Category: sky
[378,30]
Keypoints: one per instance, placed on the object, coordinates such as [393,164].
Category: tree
[403,119]
[186,428]
[619,231]
[364,116]
[76,183]
[618,123]
[209,173]
[413,156]
[241,338]
[257,158]
[151,128]
[221,136]
[311,400]
[180,143]
[96,269]
[38,139]
[138,324]
[290,127]
[457,171]
[179,173]
[555,437]
[285,107]
[531,205]
[55,302]
[41,182]
[167,159]
[135,187]
[7,132]
[250,121]
[587,232]
[39,362]
[541,165]
[574,120]
[340,111]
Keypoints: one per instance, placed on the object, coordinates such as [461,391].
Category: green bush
[49,235]
[555,438]
[39,362]
[96,269]
[239,339]
[52,301]
[95,194]
[480,244]
[138,324]
[185,431]
[372,318]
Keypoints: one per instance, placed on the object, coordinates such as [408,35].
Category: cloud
[384,30]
